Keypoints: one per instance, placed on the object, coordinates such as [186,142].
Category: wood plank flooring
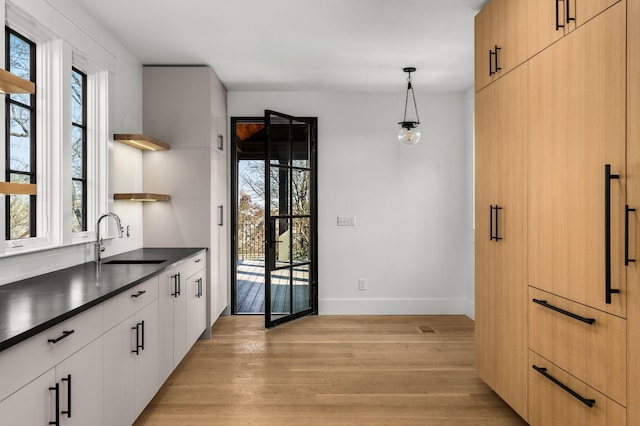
[331,370]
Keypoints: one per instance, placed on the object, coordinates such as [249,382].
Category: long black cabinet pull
[65,334]
[627,259]
[588,402]
[558,24]
[491,63]
[56,388]
[138,345]
[139,293]
[495,58]
[176,285]
[563,312]
[608,176]
[68,410]
[494,220]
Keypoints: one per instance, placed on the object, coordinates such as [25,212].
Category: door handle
[568,15]
[558,24]
[588,402]
[608,176]
[56,388]
[68,380]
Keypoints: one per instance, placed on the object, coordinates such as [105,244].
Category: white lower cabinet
[34,404]
[130,366]
[69,394]
[196,296]
[80,386]
[173,308]
[182,304]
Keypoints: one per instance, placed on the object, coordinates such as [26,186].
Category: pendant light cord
[406,100]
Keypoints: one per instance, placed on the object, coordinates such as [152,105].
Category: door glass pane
[301,240]
[300,144]
[280,298]
[279,141]
[300,188]
[282,252]
[301,299]
[279,187]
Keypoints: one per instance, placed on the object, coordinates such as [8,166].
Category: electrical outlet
[346,221]
[362,284]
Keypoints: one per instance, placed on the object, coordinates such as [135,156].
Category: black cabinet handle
[220,215]
[608,176]
[494,218]
[568,16]
[490,63]
[558,24]
[138,345]
[142,327]
[56,388]
[627,259]
[544,303]
[139,293]
[179,284]
[176,285]
[493,57]
[199,288]
[68,380]
[588,402]
[65,334]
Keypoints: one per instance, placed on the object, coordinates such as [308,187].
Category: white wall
[411,204]
[470,305]
[70,23]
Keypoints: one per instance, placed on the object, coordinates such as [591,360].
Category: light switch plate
[346,221]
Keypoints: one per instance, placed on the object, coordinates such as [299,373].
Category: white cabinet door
[147,359]
[80,378]
[179,317]
[120,374]
[34,404]
[166,301]
[196,306]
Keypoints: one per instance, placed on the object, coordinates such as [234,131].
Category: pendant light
[409,133]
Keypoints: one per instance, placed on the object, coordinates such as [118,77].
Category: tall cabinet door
[501,218]
[568,154]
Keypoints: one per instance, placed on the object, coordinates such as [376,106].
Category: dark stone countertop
[32,305]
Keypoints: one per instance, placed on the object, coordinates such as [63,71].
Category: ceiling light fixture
[409,133]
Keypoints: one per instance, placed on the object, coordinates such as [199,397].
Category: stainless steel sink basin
[134,262]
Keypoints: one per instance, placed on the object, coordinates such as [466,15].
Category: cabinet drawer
[130,301]
[193,264]
[27,360]
[588,343]
[550,404]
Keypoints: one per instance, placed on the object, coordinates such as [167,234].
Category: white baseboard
[392,307]
[470,309]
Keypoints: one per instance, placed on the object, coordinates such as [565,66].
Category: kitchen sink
[134,262]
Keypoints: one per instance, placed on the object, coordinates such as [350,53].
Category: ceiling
[311,45]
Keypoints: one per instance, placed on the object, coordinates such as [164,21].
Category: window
[79,150]
[20,138]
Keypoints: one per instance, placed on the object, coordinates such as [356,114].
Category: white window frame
[54,60]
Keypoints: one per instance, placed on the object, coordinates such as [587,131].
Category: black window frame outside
[83,127]
[33,146]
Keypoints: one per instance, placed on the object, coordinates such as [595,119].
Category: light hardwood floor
[331,370]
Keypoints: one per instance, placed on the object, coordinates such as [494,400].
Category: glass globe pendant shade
[409,136]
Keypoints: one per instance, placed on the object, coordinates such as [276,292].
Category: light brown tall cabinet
[559,315]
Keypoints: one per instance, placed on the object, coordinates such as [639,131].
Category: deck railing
[251,241]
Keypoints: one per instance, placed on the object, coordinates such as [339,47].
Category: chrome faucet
[98,249]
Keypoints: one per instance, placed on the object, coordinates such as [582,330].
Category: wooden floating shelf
[140,141]
[12,84]
[142,196]
[18,188]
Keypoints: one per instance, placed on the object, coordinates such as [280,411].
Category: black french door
[290,216]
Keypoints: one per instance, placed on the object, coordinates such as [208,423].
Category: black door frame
[234,209]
